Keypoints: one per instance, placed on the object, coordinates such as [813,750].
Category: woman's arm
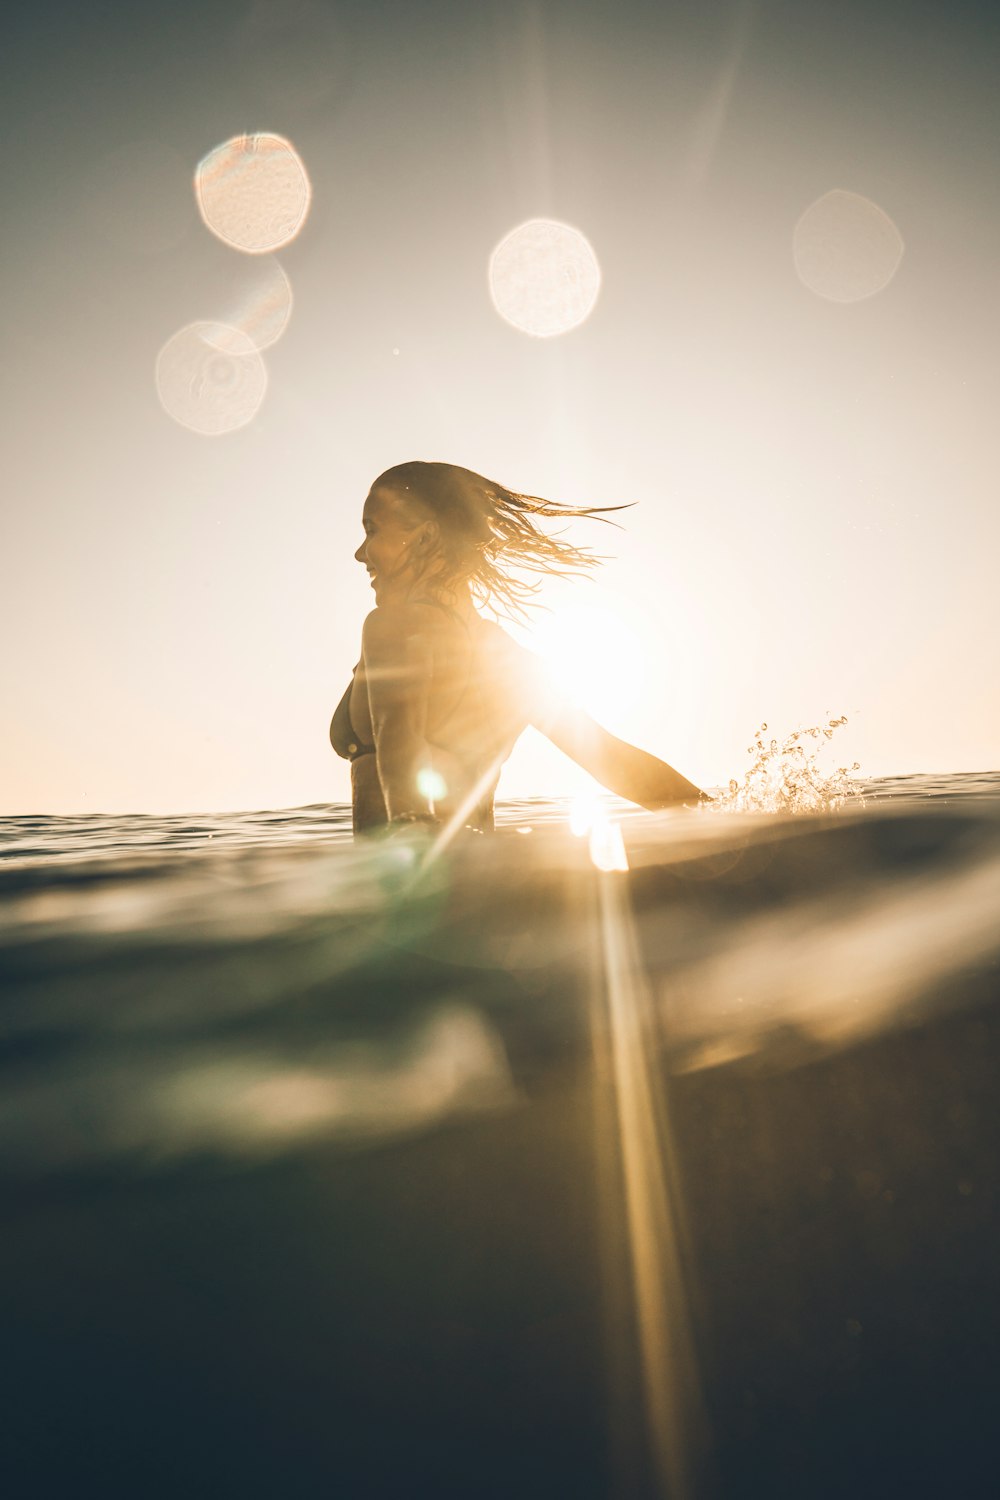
[623,768]
[397,661]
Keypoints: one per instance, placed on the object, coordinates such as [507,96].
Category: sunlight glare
[210,378]
[845,247]
[587,818]
[607,847]
[253,192]
[582,814]
[544,278]
[592,657]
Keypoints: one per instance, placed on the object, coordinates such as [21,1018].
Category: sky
[815,525]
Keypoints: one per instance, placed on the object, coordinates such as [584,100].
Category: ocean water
[44,839]
[655,1158]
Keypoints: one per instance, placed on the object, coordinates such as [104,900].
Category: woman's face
[391,548]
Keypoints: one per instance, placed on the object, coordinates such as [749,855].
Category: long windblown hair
[489,535]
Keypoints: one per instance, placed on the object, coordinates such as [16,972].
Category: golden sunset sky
[816,525]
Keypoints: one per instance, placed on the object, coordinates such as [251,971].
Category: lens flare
[431,784]
[544,278]
[582,814]
[265,306]
[845,247]
[588,819]
[607,847]
[654,1218]
[253,192]
[210,378]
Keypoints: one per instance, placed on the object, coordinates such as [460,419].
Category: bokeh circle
[253,192]
[845,247]
[264,305]
[210,378]
[544,278]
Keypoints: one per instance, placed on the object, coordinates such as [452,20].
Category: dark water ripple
[337,1168]
[170,950]
[31,839]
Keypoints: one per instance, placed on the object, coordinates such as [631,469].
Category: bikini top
[343,736]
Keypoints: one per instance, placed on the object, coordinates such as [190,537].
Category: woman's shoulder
[493,635]
[401,620]
[514,663]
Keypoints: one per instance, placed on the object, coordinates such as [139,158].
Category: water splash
[786,777]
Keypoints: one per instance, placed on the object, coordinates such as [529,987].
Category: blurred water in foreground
[656,1161]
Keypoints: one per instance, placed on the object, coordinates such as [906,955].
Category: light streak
[467,806]
[672,1404]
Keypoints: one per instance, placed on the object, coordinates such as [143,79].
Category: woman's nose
[359,556]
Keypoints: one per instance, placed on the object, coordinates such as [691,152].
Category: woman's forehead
[385,503]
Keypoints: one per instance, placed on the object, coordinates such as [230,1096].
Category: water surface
[657,1160]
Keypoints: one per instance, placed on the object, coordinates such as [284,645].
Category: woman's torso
[478,702]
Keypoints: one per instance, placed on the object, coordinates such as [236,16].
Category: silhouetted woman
[441,694]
